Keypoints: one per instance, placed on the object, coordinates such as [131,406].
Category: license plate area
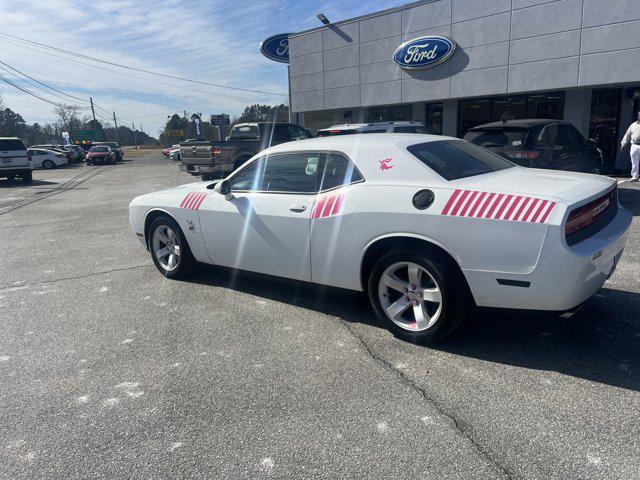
[6,161]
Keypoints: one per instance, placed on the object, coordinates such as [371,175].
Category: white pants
[635,160]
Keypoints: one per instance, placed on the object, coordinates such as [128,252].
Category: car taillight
[215,150]
[584,216]
[29,156]
[524,154]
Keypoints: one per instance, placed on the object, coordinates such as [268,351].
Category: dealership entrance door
[513,107]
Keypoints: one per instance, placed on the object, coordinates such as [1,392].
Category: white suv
[375,127]
[15,160]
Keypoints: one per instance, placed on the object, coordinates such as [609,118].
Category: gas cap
[423,199]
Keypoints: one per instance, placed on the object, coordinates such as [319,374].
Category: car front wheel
[169,249]
[421,299]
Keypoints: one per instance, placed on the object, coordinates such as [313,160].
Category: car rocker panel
[506,230]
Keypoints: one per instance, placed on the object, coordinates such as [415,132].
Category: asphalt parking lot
[108,370]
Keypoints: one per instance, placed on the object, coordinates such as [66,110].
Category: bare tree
[68,117]
[1,103]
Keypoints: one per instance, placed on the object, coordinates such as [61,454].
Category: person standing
[633,136]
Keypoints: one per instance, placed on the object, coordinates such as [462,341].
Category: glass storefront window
[485,110]
[603,122]
[433,117]
[397,113]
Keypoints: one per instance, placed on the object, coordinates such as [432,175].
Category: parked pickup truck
[217,159]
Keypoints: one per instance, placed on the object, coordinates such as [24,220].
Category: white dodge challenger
[427,226]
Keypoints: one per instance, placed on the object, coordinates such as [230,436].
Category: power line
[32,84]
[156,82]
[139,69]
[43,84]
[29,92]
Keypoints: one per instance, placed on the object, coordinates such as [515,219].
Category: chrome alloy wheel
[166,247]
[410,296]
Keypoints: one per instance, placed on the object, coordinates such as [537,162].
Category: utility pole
[115,122]
[135,141]
[95,123]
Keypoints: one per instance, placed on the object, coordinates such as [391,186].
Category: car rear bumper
[15,170]
[564,277]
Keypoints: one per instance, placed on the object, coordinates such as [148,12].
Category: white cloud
[211,40]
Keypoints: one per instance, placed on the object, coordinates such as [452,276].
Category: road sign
[198,129]
[174,133]
[88,136]
[222,119]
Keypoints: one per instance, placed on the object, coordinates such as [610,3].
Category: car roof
[523,123]
[10,138]
[349,126]
[366,151]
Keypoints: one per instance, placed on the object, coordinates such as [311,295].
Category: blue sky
[213,40]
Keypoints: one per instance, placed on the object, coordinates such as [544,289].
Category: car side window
[547,136]
[338,171]
[286,173]
[569,135]
[281,133]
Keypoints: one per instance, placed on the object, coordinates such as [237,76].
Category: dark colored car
[218,158]
[115,148]
[539,143]
[101,154]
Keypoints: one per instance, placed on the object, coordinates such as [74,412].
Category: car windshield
[99,149]
[11,144]
[505,138]
[453,159]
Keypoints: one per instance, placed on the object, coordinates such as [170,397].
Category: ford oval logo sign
[276,48]
[424,52]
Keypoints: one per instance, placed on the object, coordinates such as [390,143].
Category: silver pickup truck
[218,158]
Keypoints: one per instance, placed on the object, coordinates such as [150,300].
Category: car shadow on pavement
[20,183]
[630,199]
[595,344]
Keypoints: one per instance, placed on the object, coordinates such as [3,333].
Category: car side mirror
[224,188]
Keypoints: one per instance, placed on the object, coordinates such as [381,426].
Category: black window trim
[322,153]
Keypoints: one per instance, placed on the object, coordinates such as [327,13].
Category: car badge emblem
[385,164]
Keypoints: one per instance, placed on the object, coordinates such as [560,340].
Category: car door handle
[297,208]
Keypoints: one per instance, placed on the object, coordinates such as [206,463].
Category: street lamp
[323,18]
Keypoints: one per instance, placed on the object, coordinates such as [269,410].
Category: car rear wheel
[48,164]
[422,299]
[169,248]
[27,177]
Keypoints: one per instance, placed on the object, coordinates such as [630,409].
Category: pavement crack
[76,277]
[462,428]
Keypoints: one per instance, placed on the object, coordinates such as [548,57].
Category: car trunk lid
[559,185]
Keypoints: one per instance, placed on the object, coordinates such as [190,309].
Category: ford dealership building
[577,60]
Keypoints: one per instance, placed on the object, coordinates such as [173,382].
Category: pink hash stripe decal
[185,200]
[498,206]
[193,200]
[328,206]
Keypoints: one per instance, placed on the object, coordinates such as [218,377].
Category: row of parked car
[536,143]
[18,161]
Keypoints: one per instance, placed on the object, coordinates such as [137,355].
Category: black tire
[48,164]
[456,298]
[186,263]
[27,177]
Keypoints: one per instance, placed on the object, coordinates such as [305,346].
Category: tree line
[70,118]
